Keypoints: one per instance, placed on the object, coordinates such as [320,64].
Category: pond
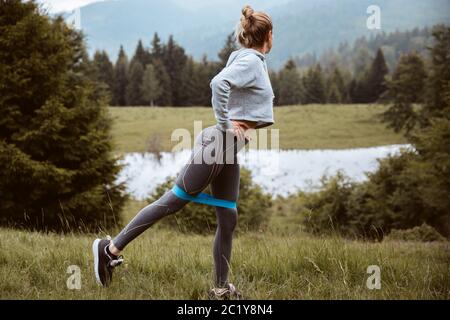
[277,172]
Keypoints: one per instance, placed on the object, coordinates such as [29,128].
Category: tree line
[162,74]
[314,85]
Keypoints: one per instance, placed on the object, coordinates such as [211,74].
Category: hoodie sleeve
[239,74]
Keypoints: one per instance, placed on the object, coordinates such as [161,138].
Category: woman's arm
[239,74]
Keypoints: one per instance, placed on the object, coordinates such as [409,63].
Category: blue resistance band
[203,198]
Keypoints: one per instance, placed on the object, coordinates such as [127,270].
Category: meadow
[281,262]
[169,265]
[301,127]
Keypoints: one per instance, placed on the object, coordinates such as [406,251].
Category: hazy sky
[64,5]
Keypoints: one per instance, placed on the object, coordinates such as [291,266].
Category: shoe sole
[95,251]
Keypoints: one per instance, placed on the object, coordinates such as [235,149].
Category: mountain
[303,27]
[201,26]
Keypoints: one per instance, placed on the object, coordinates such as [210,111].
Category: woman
[242,99]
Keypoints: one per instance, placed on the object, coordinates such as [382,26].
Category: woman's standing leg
[225,186]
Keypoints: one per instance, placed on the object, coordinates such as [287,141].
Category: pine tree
[352,91]
[405,88]
[341,80]
[358,90]
[314,86]
[120,79]
[333,95]
[375,82]
[439,74]
[104,72]
[432,138]
[289,89]
[151,88]
[174,61]
[141,55]
[224,53]
[371,85]
[190,83]
[157,49]
[134,88]
[56,167]
[361,61]
[336,88]
[206,70]
[432,168]
[165,99]
[195,83]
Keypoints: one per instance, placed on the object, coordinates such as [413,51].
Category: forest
[162,74]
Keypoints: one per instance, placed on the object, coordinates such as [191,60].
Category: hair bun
[247,11]
[253,28]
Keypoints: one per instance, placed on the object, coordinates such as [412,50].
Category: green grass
[301,127]
[281,263]
[168,265]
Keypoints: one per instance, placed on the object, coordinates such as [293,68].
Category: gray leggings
[213,161]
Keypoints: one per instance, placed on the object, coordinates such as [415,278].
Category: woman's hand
[240,130]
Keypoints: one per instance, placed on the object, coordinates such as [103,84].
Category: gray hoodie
[242,90]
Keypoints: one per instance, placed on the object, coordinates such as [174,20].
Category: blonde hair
[253,28]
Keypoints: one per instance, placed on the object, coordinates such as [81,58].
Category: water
[278,172]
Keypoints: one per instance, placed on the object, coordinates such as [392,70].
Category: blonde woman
[242,99]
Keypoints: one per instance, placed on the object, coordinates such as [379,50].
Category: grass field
[168,265]
[281,263]
[301,127]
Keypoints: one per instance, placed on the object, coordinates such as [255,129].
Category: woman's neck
[262,50]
